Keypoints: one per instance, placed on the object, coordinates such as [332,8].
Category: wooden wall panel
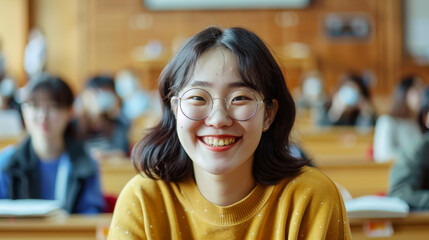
[112,40]
[13,35]
[110,32]
[62,26]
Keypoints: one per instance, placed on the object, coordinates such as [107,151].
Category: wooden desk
[78,227]
[115,173]
[336,144]
[6,141]
[413,227]
[81,227]
[359,179]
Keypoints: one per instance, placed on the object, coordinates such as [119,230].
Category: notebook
[376,207]
[29,208]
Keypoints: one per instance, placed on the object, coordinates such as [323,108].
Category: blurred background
[379,38]
[348,64]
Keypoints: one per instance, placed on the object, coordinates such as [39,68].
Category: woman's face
[44,118]
[98,101]
[413,96]
[349,94]
[216,72]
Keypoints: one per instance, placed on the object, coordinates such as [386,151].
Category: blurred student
[409,178]
[135,101]
[99,121]
[312,94]
[351,104]
[216,166]
[399,129]
[50,163]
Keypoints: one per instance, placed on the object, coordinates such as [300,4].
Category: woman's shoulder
[310,180]
[141,185]
[313,175]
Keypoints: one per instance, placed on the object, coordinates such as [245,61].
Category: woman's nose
[41,113]
[218,116]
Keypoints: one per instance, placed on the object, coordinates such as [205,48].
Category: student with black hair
[99,121]
[409,178]
[399,129]
[216,165]
[51,163]
[351,104]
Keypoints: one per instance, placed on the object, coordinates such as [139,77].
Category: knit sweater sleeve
[318,209]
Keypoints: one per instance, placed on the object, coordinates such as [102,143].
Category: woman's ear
[173,103]
[270,114]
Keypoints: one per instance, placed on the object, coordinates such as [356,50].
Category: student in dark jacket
[50,163]
[409,178]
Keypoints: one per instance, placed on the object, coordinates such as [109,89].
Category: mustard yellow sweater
[306,206]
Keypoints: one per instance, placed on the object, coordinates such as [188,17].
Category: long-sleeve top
[409,178]
[80,191]
[305,206]
[391,135]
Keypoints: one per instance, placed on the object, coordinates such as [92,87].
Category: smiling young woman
[218,164]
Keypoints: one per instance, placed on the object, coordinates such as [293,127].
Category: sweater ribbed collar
[236,213]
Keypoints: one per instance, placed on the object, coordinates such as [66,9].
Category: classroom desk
[115,173]
[360,178]
[12,140]
[336,144]
[77,227]
[413,227]
[81,227]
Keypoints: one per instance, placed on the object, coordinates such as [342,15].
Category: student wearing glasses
[218,164]
[49,163]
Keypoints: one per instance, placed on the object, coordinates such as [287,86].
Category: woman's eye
[197,98]
[240,99]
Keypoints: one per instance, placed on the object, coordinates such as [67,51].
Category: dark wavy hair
[400,107]
[160,155]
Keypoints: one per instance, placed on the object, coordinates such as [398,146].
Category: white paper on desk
[376,207]
[10,123]
[28,207]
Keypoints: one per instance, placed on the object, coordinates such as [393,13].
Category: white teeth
[218,142]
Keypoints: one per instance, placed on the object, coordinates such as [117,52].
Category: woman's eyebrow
[209,84]
[201,84]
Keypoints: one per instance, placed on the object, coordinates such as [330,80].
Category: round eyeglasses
[196,104]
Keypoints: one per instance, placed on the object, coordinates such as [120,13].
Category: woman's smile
[219,143]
